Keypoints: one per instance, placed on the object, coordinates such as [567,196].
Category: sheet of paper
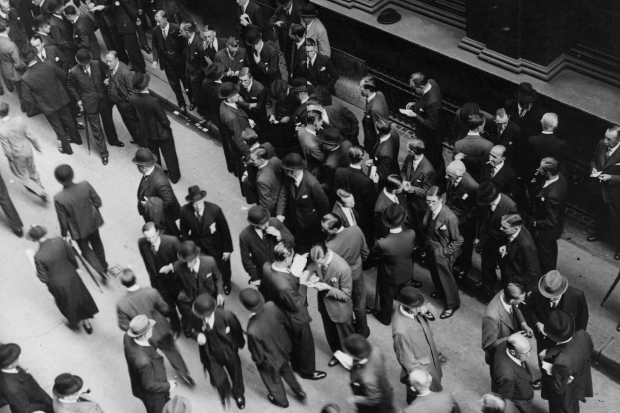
[407,112]
[548,367]
[30,255]
[373,174]
[297,267]
[344,359]
[595,174]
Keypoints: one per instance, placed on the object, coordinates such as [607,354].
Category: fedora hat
[278,90]
[330,135]
[253,37]
[308,10]
[140,325]
[54,5]
[357,346]
[388,16]
[410,297]
[38,21]
[188,251]
[28,53]
[526,93]
[486,193]
[178,404]
[394,216]
[144,157]
[67,384]
[141,80]
[36,232]
[258,215]
[251,300]
[293,162]
[552,284]
[283,2]
[195,194]
[8,354]
[214,71]
[83,57]
[228,90]
[204,305]
[299,85]
[559,326]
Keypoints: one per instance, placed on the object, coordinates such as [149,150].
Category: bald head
[519,346]
[420,380]
[456,168]
[549,121]
[496,156]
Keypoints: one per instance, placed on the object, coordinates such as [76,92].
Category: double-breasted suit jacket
[156,185]
[234,63]
[166,254]
[307,204]
[147,372]
[321,72]
[573,302]
[120,85]
[89,89]
[421,179]
[497,326]
[257,94]
[288,294]
[168,51]
[210,232]
[23,394]
[520,264]
[492,220]
[337,301]
[376,108]
[191,284]
[512,381]
[394,254]
[77,208]
[443,232]
[84,35]
[505,180]
[462,198]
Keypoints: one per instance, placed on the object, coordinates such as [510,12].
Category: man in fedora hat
[302,90]
[147,372]
[264,59]
[512,376]
[524,110]
[234,122]
[196,274]
[303,203]
[376,108]
[86,83]
[390,195]
[234,58]
[20,390]
[204,223]
[220,337]
[211,101]
[335,115]
[286,14]
[156,199]
[566,372]
[519,262]
[69,396]
[257,241]
[120,88]
[314,28]
[270,347]
[395,265]
[251,17]
[414,344]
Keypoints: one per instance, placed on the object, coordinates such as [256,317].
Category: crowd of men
[328,208]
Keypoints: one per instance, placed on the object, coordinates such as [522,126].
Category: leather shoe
[88,328]
[19,232]
[333,362]
[416,284]
[448,312]
[73,141]
[240,402]
[460,276]
[315,375]
[275,403]
[617,256]
[63,151]
[437,296]
[537,384]
[429,316]
[117,143]
[192,107]
[80,126]
[104,160]
[300,395]
[592,238]
[227,289]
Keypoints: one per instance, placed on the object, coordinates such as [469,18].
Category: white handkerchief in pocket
[212,228]
[443,227]
[323,68]
[227,329]
[304,196]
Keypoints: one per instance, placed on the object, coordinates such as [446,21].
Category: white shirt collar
[507,307]
[547,132]
[550,181]
[150,171]
[497,168]
[406,314]
[347,213]
[214,44]
[4,34]
[515,235]
[250,85]
[371,96]
[416,162]
[157,244]
[62,400]
[516,360]
[298,179]
[191,38]
[11,371]
[232,105]
[396,230]
[612,150]
[142,343]
[358,166]
[133,288]
[312,59]
[259,49]
[313,132]
[384,138]
[496,202]
[436,212]
[391,197]
[470,133]
[116,67]
[301,42]
[211,320]
[195,267]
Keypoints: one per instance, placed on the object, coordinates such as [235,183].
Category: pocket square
[227,330]
[304,196]
[617,164]
[323,68]
[443,227]
[57,58]
[465,196]
[212,228]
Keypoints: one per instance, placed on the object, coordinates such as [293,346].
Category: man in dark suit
[303,203]
[194,63]
[148,302]
[270,347]
[263,58]
[281,106]
[168,48]
[125,14]
[547,144]
[547,212]
[269,179]
[384,154]
[84,27]
[220,336]
[605,166]
[154,125]
[376,109]
[524,110]
[284,16]
[337,156]
[49,52]
[508,133]
[156,200]
[43,90]
[498,171]
[254,98]
[20,390]
[120,88]
[344,208]
[318,69]
[297,33]
[61,29]
[473,150]
[519,262]
[567,375]
[77,207]
[234,122]
[147,372]
[335,115]
[86,84]
[234,58]
[211,102]
[391,194]
[211,44]
[512,377]
[251,17]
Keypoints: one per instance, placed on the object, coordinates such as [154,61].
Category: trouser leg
[186,311]
[119,40]
[547,249]
[359,303]
[175,84]
[155,403]
[219,379]
[107,120]
[10,212]
[344,330]
[98,136]
[61,134]
[25,171]
[442,276]
[490,256]
[275,387]
[289,377]
[169,152]
[614,210]
[303,356]
[385,293]
[167,345]
[235,371]
[18,88]
[468,232]
[124,108]
[134,52]
[90,255]
[69,123]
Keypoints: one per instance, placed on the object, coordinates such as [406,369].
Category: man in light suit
[69,396]
[11,64]
[376,108]
[512,377]
[519,262]
[269,178]
[314,28]
[120,88]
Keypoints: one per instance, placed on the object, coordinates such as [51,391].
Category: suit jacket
[515,145]
[311,150]
[341,118]
[234,122]
[225,338]
[125,15]
[321,73]
[443,232]
[317,31]
[497,326]
[120,85]
[53,53]
[9,59]
[530,123]
[145,301]
[462,198]
[573,302]
[61,30]
[376,109]
[23,393]
[153,261]
[350,244]
[207,280]
[77,208]
[269,180]
[257,20]
[43,88]
[153,123]
[89,89]
[268,340]
[235,63]
[267,70]
[394,254]
[258,95]
[338,303]
[477,150]
[281,32]
[510,380]
[383,202]
[83,405]
[543,145]
[338,211]
[371,385]
[520,265]
[611,166]
[298,57]
[548,208]
[505,180]
[385,157]
[442,401]
[307,204]
[255,252]
[492,220]
[168,52]
[427,110]
[17,32]
[288,294]
[210,233]
[84,34]
[212,101]
[337,158]
[363,190]
[421,179]
[194,63]
[146,370]
[157,185]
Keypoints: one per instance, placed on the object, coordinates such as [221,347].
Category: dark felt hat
[188,251]
[410,297]
[141,80]
[83,57]
[28,53]
[293,162]
[144,157]
[140,325]
[526,93]
[4,109]
[486,193]
[330,135]
[251,300]
[253,37]
[394,216]
[258,215]
[228,89]
[308,10]
[67,384]
[299,85]
[8,354]
[552,284]
[357,346]
[215,71]
[278,90]
[178,404]
[283,2]
[194,194]
[39,21]
[204,305]
[559,326]
[36,232]
[467,109]
[388,16]
[54,5]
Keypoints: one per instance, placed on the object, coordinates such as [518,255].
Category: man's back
[77,209]
[440,402]
[44,84]
[146,301]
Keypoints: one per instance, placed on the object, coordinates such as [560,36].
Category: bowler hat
[38,21]
[4,109]
[83,57]
[141,80]
[559,326]
[357,346]
[258,215]
[552,284]
[299,85]
[526,93]
[140,325]
[28,53]
[36,232]
[204,305]
[194,194]
[228,89]
[144,157]
[54,5]
[486,193]
[188,251]
[67,384]
[178,404]
[308,10]
[331,135]
[283,2]
[253,37]
[388,16]
[214,71]
[394,216]
[278,90]
[410,297]
[293,162]
[251,300]
[8,354]
[467,109]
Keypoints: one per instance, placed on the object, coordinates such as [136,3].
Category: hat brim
[256,307]
[191,257]
[299,89]
[414,305]
[236,91]
[78,386]
[262,222]
[83,62]
[549,295]
[153,160]
[293,168]
[203,195]
[390,17]
[526,99]
[302,14]
[569,333]
[15,351]
[395,224]
[134,335]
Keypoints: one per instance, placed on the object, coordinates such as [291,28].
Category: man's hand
[285,119]
[220,300]
[256,57]
[226,256]
[459,156]
[322,286]
[527,331]
[145,201]
[570,379]
[244,20]
[140,12]
[253,105]
[154,65]
[541,329]
[138,22]
[351,400]
[166,269]
[273,231]
[252,123]
[201,339]
[604,177]
[116,3]
[173,384]
[80,105]
[255,283]
[272,119]
[542,354]
[279,23]
[106,81]
[97,8]
[280,218]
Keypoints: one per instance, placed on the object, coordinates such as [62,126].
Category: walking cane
[611,289]
[84,264]
[87,133]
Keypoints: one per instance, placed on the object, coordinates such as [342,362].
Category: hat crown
[331,135]
[204,305]
[139,324]
[559,326]
[357,346]
[8,354]
[410,297]
[553,284]
[293,161]
[394,216]
[188,250]
[144,156]
[258,215]
[486,193]
[66,384]
[250,299]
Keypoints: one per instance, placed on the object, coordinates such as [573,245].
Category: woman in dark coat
[56,267]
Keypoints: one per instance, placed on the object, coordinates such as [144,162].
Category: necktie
[198,216]
[153,249]
[608,153]
[165,34]
[522,112]
[309,62]
[494,171]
